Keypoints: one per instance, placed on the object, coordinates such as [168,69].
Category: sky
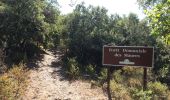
[121,7]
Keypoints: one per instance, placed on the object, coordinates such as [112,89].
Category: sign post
[108,83]
[137,56]
[144,79]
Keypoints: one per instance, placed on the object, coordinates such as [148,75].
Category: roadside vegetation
[13,81]
[26,32]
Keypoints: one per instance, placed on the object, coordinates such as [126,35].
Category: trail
[47,83]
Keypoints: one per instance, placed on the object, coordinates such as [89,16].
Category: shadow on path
[34,62]
[57,64]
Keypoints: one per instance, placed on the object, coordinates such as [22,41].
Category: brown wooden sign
[128,56]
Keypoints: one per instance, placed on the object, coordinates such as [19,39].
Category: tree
[51,13]
[24,26]
[158,12]
[89,28]
[88,32]
[134,31]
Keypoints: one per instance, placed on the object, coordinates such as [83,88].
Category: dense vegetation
[29,26]
[25,25]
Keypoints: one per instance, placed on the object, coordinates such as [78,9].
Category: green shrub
[90,70]
[72,68]
[118,77]
[102,77]
[138,94]
[103,74]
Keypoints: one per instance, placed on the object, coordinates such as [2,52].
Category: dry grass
[13,83]
[119,92]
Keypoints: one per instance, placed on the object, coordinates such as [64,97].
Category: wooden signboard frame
[136,56]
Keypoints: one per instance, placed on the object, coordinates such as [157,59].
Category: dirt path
[46,84]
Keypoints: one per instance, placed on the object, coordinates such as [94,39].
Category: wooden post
[144,79]
[108,84]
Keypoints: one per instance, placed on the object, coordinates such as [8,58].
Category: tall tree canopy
[89,28]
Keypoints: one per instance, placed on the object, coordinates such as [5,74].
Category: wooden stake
[144,79]
[108,84]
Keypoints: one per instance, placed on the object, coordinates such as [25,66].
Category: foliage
[90,70]
[119,91]
[142,95]
[85,34]
[162,60]
[25,25]
[130,79]
[52,17]
[156,91]
[132,76]
[28,25]
[158,14]
[158,88]
[103,74]
[28,22]
[2,64]
[72,68]
[13,83]
[89,28]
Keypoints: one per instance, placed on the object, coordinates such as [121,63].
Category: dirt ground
[47,83]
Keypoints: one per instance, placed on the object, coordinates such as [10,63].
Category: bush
[119,92]
[90,70]
[158,89]
[132,76]
[72,68]
[162,61]
[141,95]
[103,74]
[118,77]
[129,81]
[16,55]
[13,83]
[2,65]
